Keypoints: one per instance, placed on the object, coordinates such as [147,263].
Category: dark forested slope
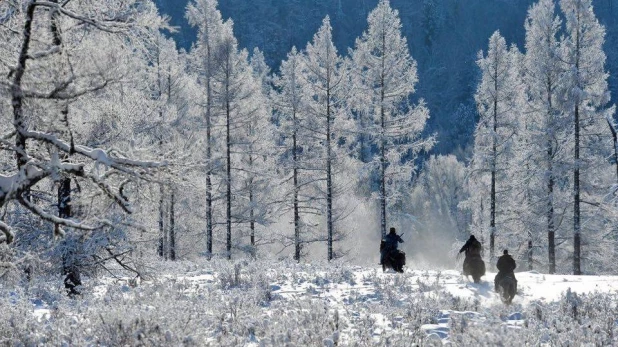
[444,37]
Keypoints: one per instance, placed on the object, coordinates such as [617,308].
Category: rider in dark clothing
[473,264]
[391,242]
[472,247]
[506,265]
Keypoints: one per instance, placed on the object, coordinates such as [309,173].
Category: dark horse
[474,266]
[507,288]
[394,259]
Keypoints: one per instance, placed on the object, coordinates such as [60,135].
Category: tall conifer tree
[496,98]
[384,78]
[584,97]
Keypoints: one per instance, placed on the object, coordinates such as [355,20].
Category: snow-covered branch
[51,218]
[96,154]
[42,54]
[111,25]
[110,192]
[60,92]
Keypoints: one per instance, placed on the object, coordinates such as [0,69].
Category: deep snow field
[259,303]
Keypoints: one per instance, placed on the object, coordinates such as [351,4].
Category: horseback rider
[506,265]
[472,247]
[391,242]
[473,264]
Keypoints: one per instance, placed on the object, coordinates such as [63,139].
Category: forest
[142,149]
[118,146]
[248,157]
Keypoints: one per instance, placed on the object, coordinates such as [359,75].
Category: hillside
[444,37]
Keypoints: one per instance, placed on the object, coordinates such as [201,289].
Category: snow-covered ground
[273,304]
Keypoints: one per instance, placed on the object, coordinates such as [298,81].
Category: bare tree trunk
[69,259]
[527,204]
[228,168]
[530,259]
[329,182]
[172,225]
[209,215]
[208,191]
[576,187]
[64,198]
[163,246]
[166,242]
[162,243]
[481,227]
[16,93]
[251,198]
[70,263]
[382,143]
[492,208]
[69,267]
[251,210]
[576,207]
[297,244]
[551,242]
[551,236]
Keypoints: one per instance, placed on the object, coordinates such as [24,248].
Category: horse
[394,259]
[507,288]
[474,266]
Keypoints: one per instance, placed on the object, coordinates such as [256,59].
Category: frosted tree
[520,189]
[172,91]
[237,113]
[520,212]
[496,98]
[261,71]
[204,15]
[60,84]
[325,89]
[166,241]
[258,158]
[584,96]
[301,168]
[244,118]
[290,111]
[544,135]
[384,76]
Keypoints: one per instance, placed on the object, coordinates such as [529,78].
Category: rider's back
[474,248]
[390,241]
[506,264]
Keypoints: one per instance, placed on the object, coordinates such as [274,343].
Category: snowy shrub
[9,271]
[218,303]
[553,324]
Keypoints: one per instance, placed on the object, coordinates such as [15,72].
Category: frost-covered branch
[51,218]
[96,154]
[14,185]
[60,93]
[109,191]
[121,263]
[110,25]
[42,54]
